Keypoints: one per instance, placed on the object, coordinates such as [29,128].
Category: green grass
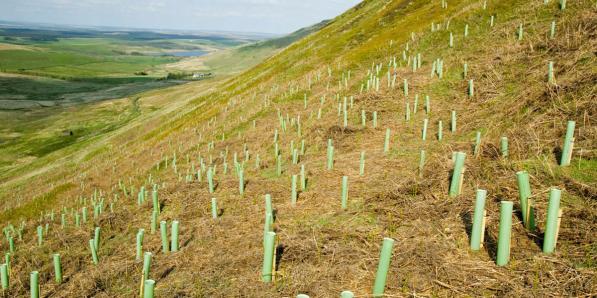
[89,68]
[35,206]
[43,133]
[78,69]
[583,170]
[68,65]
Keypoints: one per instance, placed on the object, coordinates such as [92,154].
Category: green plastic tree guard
[139,247]
[427,104]
[330,163]
[214,208]
[568,144]
[451,43]
[363,118]
[425,123]
[415,103]
[503,250]
[421,162]
[174,245]
[268,257]
[504,146]
[84,214]
[11,244]
[156,202]
[346,294]
[552,223]
[362,164]
[405,88]
[302,296]
[524,192]
[440,130]
[4,276]
[478,228]
[407,112]
[57,268]
[268,204]
[295,156]
[344,192]
[146,264]
[148,288]
[241,182]
[93,250]
[164,234]
[477,147]
[267,225]
[552,30]
[453,122]
[210,180]
[386,143]
[457,174]
[7,261]
[34,284]
[550,77]
[382,269]
[562,4]
[375,119]
[40,235]
[520,32]
[471,88]
[96,238]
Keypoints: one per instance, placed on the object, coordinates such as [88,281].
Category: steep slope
[284,41]
[316,91]
[243,57]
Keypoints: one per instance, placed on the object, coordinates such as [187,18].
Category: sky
[263,16]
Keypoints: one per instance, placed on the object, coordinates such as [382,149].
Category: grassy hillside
[78,65]
[37,110]
[244,57]
[316,91]
[78,56]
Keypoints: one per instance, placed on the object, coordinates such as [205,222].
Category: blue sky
[266,16]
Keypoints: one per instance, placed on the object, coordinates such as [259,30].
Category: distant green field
[86,66]
[79,54]
[74,64]
[88,62]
